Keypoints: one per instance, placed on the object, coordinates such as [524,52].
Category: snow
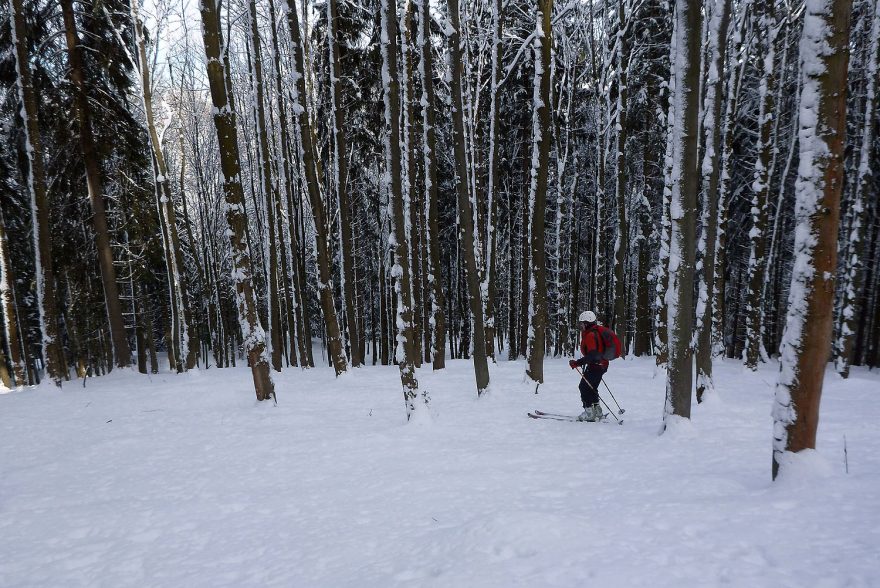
[175,480]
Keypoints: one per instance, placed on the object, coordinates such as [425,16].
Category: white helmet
[587,316]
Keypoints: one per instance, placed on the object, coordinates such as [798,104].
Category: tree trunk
[227,138]
[765,27]
[465,202]
[683,208]
[121,349]
[314,180]
[541,130]
[429,140]
[340,181]
[854,276]
[824,56]
[47,305]
[619,323]
[401,270]
[718,26]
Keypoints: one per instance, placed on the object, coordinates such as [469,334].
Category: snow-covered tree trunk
[314,179]
[719,311]
[854,275]
[541,130]
[119,338]
[683,208]
[488,285]
[180,315]
[415,403]
[268,189]
[765,30]
[340,181]
[411,156]
[254,337]
[717,54]
[619,322]
[437,320]
[824,54]
[47,304]
[465,203]
[10,310]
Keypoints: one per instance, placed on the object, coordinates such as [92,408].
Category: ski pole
[611,412]
[619,410]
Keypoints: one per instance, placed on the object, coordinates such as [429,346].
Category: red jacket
[592,349]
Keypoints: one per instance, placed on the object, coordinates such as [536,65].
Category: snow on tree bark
[541,129]
[47,303]
[682,209]
[469,247]
[253,335]
[717,53]
[416,403]
[824,55]
[854,274]
[765,28]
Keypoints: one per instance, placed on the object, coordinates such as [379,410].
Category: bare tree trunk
[619,322]
[824,55]
[854,276]
[47,304]
[340,173]
[10,312]
[541,130]
[405,331]
[683,208]
[227,138]
[121,349]
[465,208]
[718,26]
[765,28]
[314,180]
[429,141]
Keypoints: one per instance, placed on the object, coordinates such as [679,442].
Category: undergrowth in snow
[184,481]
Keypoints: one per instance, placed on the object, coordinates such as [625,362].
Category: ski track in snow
[186,481]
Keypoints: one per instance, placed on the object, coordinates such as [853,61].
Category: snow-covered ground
[185,481]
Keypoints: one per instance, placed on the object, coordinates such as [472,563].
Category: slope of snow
[186,481]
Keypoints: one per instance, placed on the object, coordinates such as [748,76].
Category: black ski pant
[590,392]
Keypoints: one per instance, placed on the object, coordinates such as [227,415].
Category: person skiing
[593,357]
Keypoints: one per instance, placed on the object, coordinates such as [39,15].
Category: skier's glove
[572,364]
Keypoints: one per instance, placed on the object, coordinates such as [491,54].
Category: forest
[342,183]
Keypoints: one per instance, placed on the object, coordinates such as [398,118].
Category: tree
[465,203]
[254,338]
[711,126]
[683,206]
[401,269]
[824,54]
[541,130]
[47,303]
[121,349]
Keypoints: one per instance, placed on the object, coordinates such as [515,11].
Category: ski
[539,414]
[552,417]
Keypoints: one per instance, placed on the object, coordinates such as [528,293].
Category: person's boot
[591,414]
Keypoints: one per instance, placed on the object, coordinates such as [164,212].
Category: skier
[593,357]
